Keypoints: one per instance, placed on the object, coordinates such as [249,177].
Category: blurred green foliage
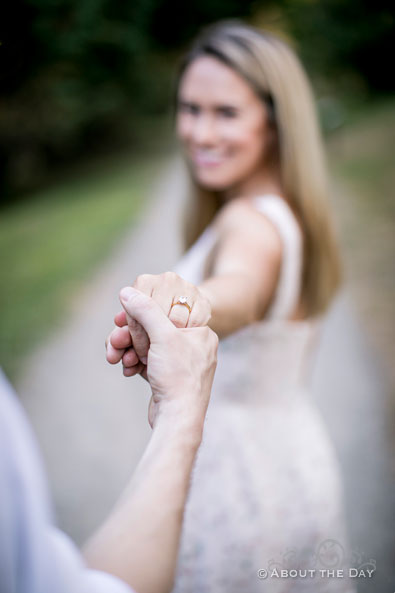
[353,39]
[76,75]
[51,245]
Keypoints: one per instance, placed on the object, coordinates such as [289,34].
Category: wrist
[176,423]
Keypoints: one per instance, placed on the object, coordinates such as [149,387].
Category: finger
[144,373]
[143,309]
[130,358]
[200,314]
[141,342]
[145,283]
[113,355]
[120,338]
[126,334]
[163,295]
[120,319]
[179,315]
[132,371]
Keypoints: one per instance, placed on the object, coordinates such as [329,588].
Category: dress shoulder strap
[281,216]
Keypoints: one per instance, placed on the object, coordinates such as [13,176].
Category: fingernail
[126,293]
[143,359]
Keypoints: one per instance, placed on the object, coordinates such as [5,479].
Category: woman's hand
[131,344]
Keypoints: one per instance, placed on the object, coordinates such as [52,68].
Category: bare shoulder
[240,218]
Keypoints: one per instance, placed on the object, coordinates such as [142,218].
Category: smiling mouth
[207,158]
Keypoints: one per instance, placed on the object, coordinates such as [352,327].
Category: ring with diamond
[183,300]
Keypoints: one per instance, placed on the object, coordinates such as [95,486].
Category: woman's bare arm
[239,287]
[244,272]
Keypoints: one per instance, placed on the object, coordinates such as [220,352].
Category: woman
[262,257]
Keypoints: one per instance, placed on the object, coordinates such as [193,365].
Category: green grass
[363,153]
[51,243]
[362,163]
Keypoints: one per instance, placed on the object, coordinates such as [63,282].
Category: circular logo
[262,573]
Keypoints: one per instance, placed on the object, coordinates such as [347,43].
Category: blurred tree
[353,37]
[74,74]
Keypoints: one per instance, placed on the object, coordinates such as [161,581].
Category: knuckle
[142,280]
[165,281]
[170,275]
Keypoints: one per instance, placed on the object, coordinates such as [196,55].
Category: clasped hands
[129,342]
[170,345]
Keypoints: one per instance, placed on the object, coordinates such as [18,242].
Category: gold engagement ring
[183,300]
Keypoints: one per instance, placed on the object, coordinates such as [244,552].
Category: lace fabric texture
[265,488]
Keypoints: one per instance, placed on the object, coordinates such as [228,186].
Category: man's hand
[130,344]
[180,362]
[139,541]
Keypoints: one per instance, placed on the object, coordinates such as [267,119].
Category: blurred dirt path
[92,422]
[352,394]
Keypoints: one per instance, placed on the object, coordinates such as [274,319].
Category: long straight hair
[276,75]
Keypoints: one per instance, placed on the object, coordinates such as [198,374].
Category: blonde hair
[276,75]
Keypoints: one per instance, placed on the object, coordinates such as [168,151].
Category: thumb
[146,311]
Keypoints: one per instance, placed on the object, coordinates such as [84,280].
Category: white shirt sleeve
[69,573]
[35,557]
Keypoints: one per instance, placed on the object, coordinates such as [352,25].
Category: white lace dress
[265,492]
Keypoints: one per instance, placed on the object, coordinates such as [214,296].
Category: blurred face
[222,126]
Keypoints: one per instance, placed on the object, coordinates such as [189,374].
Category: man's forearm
[139,541]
